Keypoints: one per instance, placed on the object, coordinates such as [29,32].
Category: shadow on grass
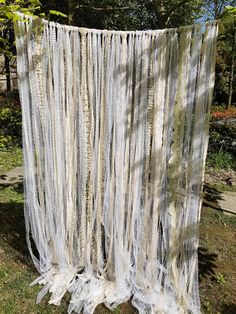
[211,197]
[12,227]
[229,308]
[206,262]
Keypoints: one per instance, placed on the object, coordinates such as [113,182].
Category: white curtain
[115,130]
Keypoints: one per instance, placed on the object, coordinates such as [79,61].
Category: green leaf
[17,17]
[2,1]
[57,13]
[9,15]
[26,11]
[3,40]
[230,9]
[35,2]
[14,7]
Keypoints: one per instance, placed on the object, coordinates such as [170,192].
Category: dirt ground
[217,262]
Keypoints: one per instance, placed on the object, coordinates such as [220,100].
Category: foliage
[10,121]
[225,60]
[222,140]
[207,307]
[9,8]
[222,132]
[220,278]
[220,160]
[154,14]
[8,14]
[224,114]
[213,9]
[126,14]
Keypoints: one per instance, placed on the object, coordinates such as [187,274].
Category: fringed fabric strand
[115,129]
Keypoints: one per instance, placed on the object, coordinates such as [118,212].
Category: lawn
[217,257]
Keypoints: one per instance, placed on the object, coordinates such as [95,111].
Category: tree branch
[108,8]
[221,5]
[172,10]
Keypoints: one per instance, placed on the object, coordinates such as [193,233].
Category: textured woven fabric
[115,130]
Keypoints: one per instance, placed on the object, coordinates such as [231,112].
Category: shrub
[224,114]
[221,160]
[222,135]
[10,120]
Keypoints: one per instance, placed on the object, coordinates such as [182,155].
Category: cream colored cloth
[115,129]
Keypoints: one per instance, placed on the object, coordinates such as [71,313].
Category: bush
[221,160]
[221,114]
[10,120]
[222,135]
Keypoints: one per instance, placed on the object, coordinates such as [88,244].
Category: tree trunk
[160,11]
[8,72]
[70,12]
[231,79]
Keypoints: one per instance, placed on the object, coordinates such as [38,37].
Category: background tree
[124,15]
[116,14]
[127,14]
[213,9]
[230,38]
[8,15]
[225,87]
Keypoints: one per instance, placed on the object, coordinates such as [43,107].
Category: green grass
[12,193]
[221,160]
[10,158]
[213,216]
[221,187]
